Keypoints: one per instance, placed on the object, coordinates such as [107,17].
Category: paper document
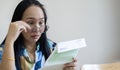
[63,53]
[70,45]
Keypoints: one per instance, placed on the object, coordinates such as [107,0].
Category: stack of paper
[63,53]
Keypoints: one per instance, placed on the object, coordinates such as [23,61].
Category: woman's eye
[30,23]
[41,23]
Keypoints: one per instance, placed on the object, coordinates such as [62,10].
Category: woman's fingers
[74,60]
[71,65]
[69,68]
[16,28]
[24,26]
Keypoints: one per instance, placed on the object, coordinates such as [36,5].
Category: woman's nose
[35,28]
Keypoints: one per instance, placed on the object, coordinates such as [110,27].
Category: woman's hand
[71,65]
[15,29]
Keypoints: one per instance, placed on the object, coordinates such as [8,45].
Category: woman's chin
[35,40]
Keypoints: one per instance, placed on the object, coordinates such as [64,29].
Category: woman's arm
[8,59]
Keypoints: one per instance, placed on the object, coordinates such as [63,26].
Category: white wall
[6,11]
[95,20]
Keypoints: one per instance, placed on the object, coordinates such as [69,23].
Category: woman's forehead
[33,12]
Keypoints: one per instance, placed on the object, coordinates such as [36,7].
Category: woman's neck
[31,47]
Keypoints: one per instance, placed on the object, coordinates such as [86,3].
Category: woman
[26,46]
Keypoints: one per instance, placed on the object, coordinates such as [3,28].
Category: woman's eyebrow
[34,18]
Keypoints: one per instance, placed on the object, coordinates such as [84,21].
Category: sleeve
[1,52]
[52,45]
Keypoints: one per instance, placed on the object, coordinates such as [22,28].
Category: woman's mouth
[35,36]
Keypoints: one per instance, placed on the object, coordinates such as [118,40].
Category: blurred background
[98,21]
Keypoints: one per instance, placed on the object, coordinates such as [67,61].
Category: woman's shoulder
[51,43]
[1,51]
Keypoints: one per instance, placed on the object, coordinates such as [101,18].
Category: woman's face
[34,17]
